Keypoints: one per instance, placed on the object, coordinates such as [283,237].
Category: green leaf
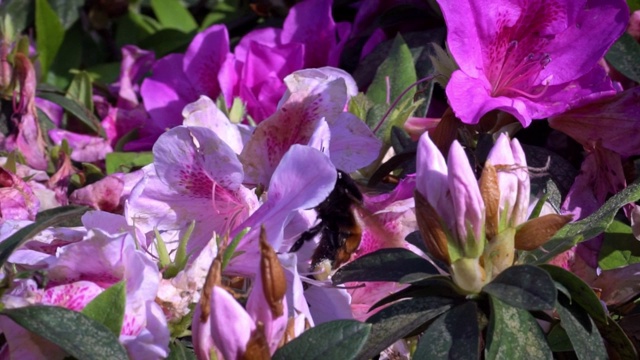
[558,339]
[76,109]
[624,55]
[392,264]
[582,331]
[105,73]
[172,14]
[49,32]
[340,339]
[514,334]
[525,286]
[81,89]
[126,161]
[618,341]
[108,307]
[634,5]
[581,293]
[454,335]
[438,285]
[178,351]
[78,335]
[400,319]
[20,12]
[68,11]
[619,248]
[585,229]
[133,28]
[396,73]
[44,220]
[166,41]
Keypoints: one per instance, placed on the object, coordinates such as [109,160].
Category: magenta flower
[528,58]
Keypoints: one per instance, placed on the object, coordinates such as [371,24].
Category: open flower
[528,58]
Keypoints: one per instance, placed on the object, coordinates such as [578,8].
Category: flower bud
[274,283]
[536,232]
[469,275]
[431,229]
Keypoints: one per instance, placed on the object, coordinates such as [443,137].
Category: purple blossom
[528,58]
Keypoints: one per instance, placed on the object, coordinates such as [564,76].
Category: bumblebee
[339,229]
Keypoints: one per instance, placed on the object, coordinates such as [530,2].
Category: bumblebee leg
[306,236]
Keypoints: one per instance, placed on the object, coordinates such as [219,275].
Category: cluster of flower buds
[476,226]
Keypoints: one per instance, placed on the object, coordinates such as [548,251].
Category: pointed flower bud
[536,232]
[431,228]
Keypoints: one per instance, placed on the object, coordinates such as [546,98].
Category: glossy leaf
[44,220]
[172,14]
[68,11]
[74,332]
[581,292]
[433,286]
[527,287]
[75,108]
[454,335]
[400,319]
[558,339]
[340,339]
[81,89]
[49,28]
[514,334]
[619,248]
[392,264]
[167,40]
[108,307]
[581,330]
[618,341]
[396,74]
[126,161]
[585,229]
[624,55]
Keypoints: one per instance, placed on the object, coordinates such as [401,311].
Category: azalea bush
[319,179]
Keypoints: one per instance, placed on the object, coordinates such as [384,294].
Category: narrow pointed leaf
[393,264]
[514,334]
[527,287]
[50,34]
[581,292]
[433,286]
[454,335]
[400,319]
[174,15]
[585,229]
[582,331]
[108,308]
[44,220]
[76,109]
[74,332]
[340,339]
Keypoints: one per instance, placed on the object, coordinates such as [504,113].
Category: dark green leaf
[454,335]
[178,351]
[76,109]
[619,248]
[617,340]
[125,161]
[585,229]
[392,264]
[105,73]
[525,286]
[582,331]
[624,55]
[108,307]
[400,319]
[68,10]
[634,5]
[581,293]
[559,340]
[78,335]
[433,286]
[44,220]
[340,339]
[166,41]
[174,15]
[133,28]
[514,334]
[50,34]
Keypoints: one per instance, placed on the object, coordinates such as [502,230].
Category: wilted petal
[104,194]
[17,200]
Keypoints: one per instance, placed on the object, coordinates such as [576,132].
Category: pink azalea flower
[254,72]
[195,176]
[529,58]
[17,199]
